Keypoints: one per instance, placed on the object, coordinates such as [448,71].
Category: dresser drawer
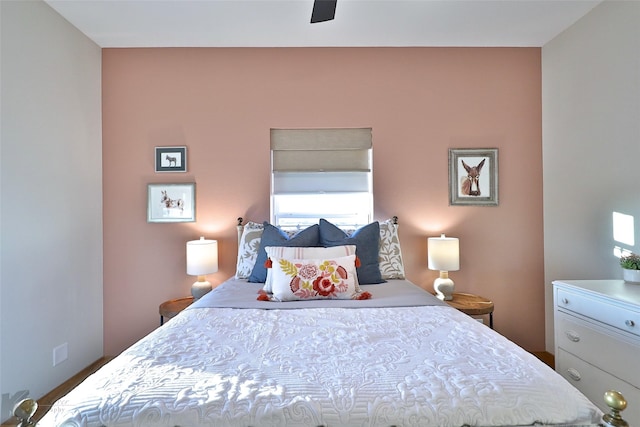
[601,310]
[617,354]
[593,383]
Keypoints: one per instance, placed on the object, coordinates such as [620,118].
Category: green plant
[630,262]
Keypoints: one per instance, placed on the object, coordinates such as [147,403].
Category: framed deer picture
[473,176]
[171,159]
[171,202]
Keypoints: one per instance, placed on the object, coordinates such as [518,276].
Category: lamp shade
[202,257]
[443,253]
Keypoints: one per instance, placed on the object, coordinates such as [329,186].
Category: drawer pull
[565,301]
[572,335]
[574,374]
[630,323]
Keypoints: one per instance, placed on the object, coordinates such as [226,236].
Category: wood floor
[546,358]
[49,399]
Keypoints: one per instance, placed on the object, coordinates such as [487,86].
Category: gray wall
[591,144]
[51,195]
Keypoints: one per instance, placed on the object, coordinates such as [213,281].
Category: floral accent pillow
[306,279]
[305,253]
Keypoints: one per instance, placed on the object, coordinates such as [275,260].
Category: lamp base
[200,288]
[443,287]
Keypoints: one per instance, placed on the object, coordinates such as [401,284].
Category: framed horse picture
[171,202]
[473,176]
[171,159]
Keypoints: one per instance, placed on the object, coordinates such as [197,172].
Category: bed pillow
[306,279]
[273,236]
[305,253]
[390,253]
[367,242]
[248,247]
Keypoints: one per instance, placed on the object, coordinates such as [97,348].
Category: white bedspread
[404,366]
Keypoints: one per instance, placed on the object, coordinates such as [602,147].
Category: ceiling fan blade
[323,10]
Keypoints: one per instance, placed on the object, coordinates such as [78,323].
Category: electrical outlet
[60,353]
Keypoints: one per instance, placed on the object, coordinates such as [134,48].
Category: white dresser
[597,339]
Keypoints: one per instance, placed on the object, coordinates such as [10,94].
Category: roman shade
[321,149]
[321,173]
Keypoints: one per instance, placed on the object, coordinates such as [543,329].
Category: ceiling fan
[323,10]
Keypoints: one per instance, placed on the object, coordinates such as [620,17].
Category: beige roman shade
[314,150]
[321,173]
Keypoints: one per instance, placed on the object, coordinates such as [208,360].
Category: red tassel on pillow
[363,295]
[263,297]
[358,264]
[268,263]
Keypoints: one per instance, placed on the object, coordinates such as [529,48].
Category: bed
[255,353]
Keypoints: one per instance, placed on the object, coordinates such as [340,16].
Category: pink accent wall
[221,103]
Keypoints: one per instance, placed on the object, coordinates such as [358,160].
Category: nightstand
[169,309]
[473,305]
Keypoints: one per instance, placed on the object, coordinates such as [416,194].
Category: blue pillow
[273,236]
[367,241]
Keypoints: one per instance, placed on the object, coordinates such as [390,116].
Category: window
[321,173]
[623,233]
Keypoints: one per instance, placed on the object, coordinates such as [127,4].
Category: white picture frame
[171,202]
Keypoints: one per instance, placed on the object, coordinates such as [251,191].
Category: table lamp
[202,259]
[444,255]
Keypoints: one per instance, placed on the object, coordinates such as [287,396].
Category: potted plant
[630,267]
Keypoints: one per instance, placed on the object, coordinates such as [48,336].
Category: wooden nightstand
[172,307]
[473,305]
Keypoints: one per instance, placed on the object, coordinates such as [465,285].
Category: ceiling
[286,23]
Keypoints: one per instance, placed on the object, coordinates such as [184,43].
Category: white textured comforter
[404,366]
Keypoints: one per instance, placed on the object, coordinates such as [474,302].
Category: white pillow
[306,279]
[305,253]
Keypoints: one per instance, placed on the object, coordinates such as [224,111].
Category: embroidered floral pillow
[305,253]
[305,279]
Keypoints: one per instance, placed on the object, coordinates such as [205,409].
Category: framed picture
[171,159]
[171,202]
[473,176]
